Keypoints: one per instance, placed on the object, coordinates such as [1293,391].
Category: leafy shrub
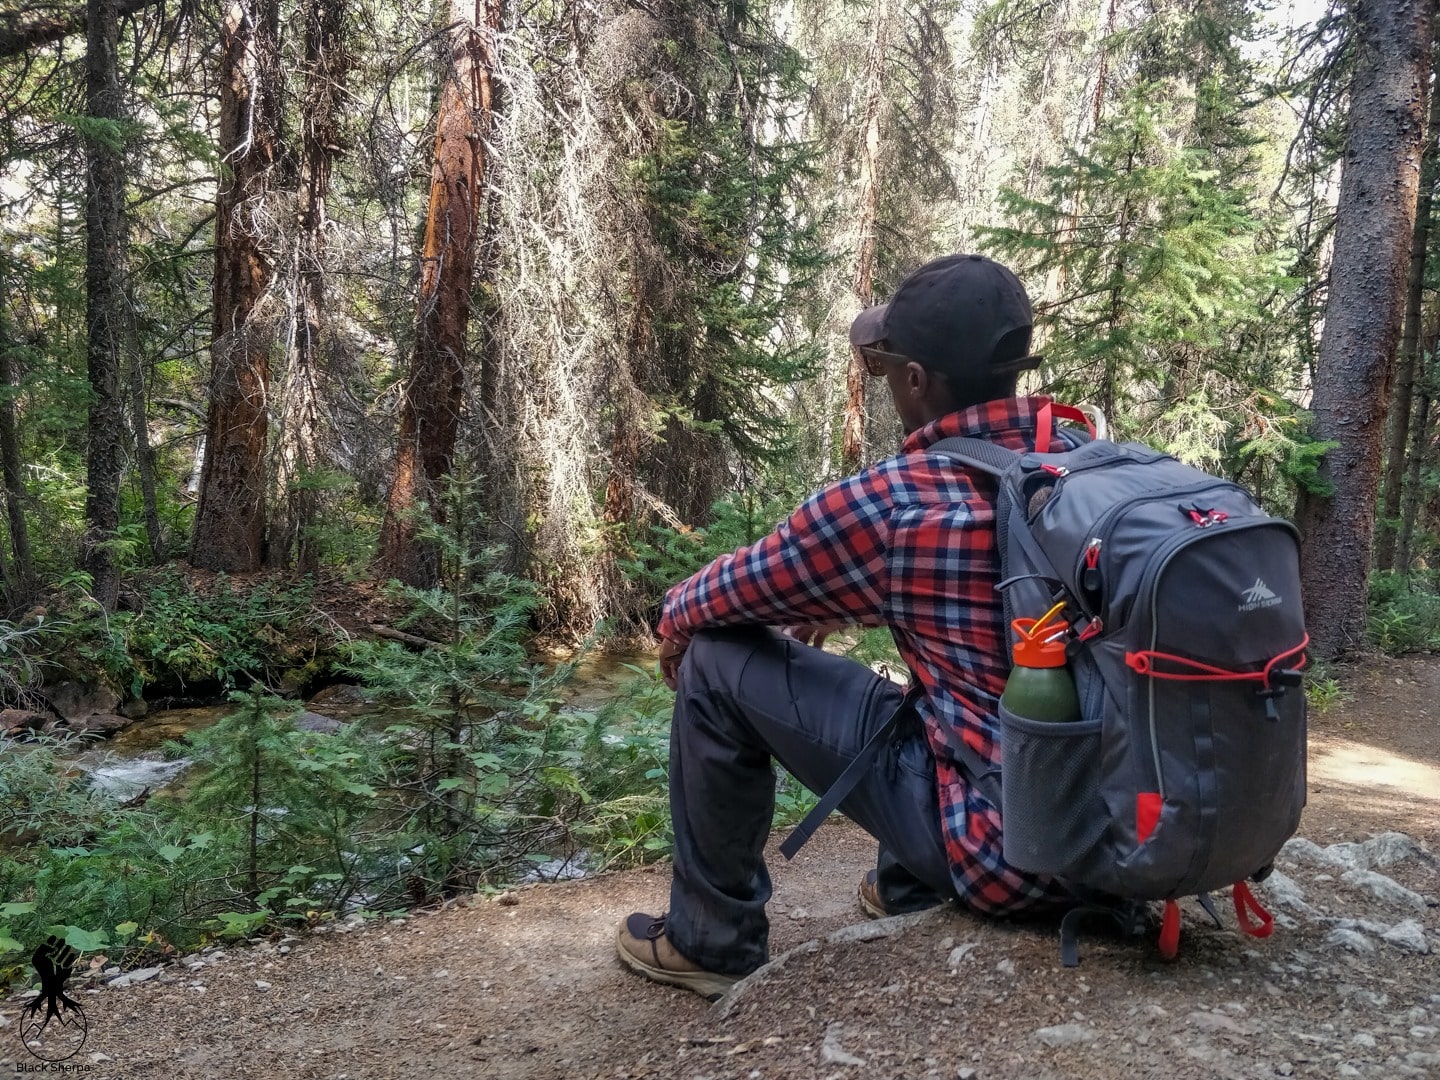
[180,633]
[1404,612]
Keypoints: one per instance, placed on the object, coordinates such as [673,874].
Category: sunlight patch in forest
[1369,767]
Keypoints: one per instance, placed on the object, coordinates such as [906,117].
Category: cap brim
[869,325]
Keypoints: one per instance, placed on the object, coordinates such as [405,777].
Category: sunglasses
[876,359]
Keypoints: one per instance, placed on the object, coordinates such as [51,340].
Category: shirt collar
[987,420]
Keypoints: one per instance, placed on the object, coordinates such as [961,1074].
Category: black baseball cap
[964,316]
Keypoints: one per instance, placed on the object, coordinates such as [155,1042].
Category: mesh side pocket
[1052,814]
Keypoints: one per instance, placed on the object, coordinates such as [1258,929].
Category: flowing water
[132,761]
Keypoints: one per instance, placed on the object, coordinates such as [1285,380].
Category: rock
[1423,1032]
[959,953]
[1298,849]
[1423,1059]
[1065,1034]
[1006,967]
[832,1052]
[1364,1038]
[1408,935]
[1384,889]
[1389,848]
[1368,997]
[1284,892]
[1365,926]
[130,978]
[883,928]
[134,709]
[340,694]
[1346,1069]
[75,701]
[1216,1023]
[310,721]
[965,1073]
[261,985]
[101,723]
[1350,939]
[1285,1069]
[19,721]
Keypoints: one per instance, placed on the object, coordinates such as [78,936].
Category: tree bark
[853,439]
[145,456]
[430,408]
[230,519]
[104,299]
[291,531]
[1374,220]
[1420,455]
[22,587]
[1409,340]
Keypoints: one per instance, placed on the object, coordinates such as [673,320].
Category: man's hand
[814,633]
[670,656]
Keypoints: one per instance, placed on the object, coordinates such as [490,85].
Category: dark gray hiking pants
[750,694]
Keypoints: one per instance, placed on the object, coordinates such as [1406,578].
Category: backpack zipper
[1110,520]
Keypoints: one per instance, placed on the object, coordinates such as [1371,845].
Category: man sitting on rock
[908,543]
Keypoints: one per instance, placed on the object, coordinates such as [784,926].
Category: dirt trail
[532,990]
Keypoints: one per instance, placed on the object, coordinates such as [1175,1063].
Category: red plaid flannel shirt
[908,543]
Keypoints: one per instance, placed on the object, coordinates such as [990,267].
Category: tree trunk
[104,299]
[145,456]
[22,587]
[1420,452]
[430,408]
[292,527]
[1409,340]
[1374,220]
[230,519]
[32,26]
[853,442]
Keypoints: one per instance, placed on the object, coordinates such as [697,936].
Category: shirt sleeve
[827,562]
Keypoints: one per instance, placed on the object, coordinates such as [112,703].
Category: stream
[131,761]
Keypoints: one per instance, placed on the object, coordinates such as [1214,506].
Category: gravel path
[1348,986]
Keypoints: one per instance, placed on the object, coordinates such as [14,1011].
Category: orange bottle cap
[1046,650]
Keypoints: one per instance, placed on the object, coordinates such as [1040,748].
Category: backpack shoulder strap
[986,456]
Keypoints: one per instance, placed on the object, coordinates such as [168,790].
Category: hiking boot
[870,901]
[914,897]
[643,947]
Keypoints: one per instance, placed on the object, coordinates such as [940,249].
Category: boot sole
[705,983]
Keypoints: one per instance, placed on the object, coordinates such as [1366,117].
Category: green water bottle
[1040,686]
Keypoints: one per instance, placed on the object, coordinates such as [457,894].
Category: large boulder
[340,694]
[18,721]
[105,723]
[76,700]
[309,721]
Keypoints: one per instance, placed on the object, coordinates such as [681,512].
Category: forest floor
[529,988]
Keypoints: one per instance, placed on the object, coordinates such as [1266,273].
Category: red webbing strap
[1045,421]
[1143,663]
[1170,931]
[1251,914]
[1148,806]
[1043,424]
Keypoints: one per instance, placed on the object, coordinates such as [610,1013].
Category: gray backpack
[1186,638]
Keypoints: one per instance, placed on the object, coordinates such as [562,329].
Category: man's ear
[917,381]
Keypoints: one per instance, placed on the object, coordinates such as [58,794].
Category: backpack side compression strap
[846,781]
